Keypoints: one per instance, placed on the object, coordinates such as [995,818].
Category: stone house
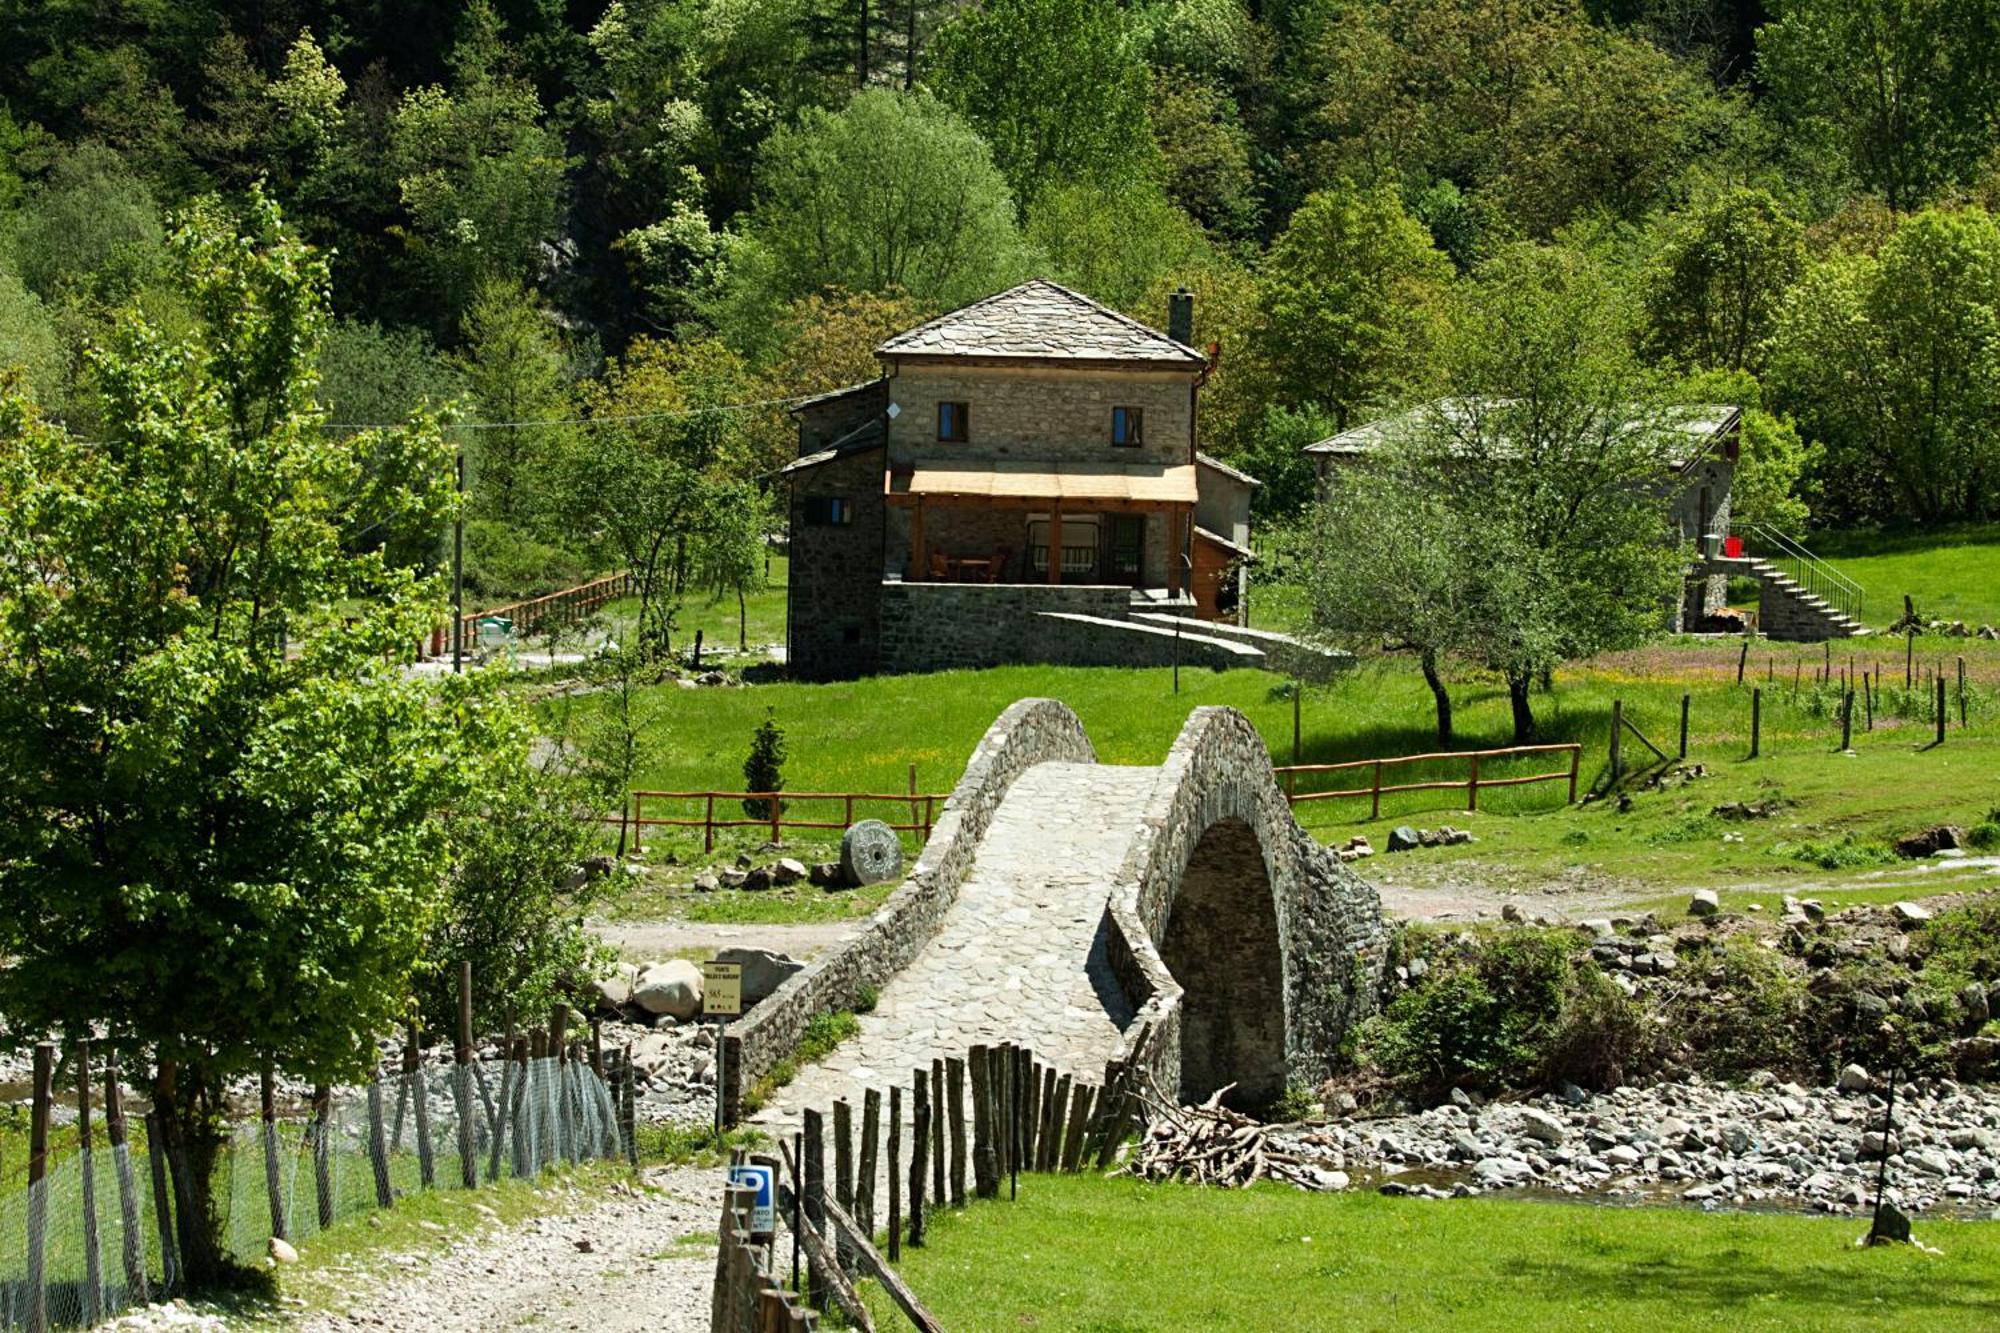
[1698,470]
[1022,479]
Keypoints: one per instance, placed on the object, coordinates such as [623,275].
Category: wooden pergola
[1099,488]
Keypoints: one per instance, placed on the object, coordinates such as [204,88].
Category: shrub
[1603,1037]
[1985,835]
[1962,943]
[1479,1020]
[1845,852]
[764,770]
[1752,1015]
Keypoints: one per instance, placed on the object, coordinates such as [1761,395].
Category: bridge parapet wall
[1029,732]
[1330,934]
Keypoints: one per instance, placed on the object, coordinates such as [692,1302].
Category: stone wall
[1030,732]
[943,626]
[1042,414]
[1132,643]
[833,601]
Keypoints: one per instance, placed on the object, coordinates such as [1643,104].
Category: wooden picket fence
[783,810]
[565,608]
[995,1114]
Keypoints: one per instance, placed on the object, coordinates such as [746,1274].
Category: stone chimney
[1180,316]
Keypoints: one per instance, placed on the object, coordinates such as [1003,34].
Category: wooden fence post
[843,1158]
[322,1129]
[1742,658]
[132,1249]
[864,1181]
[895,1173]
[1686,702]
[920,1123]
[1868,701]
[1031,1111]
[1961,694]
[418,1084]
[1472,785]
[163,1213]
[954,1073]
[93,1256]
[937,1135]
[1375,804]
[1617,738]
[985,1181]
[814,1179]
[1575,769]
[1939,710]
[1756,720]
[468,1164]
[378,1148]
[38,1204]
[267,1097]
[1847,722]
[1079,1121]
[1049,1156]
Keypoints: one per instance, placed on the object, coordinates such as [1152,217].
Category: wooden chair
[940,567]
[998,569]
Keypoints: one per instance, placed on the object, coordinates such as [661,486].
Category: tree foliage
[218,840]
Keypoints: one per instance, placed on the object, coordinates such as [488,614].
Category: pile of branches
[1213,1145]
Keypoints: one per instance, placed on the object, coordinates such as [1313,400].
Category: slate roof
[1699,428]
[1042,321]
[834,395]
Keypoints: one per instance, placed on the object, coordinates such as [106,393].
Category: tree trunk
[1438,692]
[194,1140]
[1524,717]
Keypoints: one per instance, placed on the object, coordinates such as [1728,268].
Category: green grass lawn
[865,735]
[1112,1256]
[1953,572]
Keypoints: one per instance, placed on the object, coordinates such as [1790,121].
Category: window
[951,422]
[1127,425]
[829,511]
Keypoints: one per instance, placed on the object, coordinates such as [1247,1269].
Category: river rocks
[1541,1126]
[763,970]
[614,992]
[1853,1078]
[1703,902]
[787,870]
[870,853]
[672,988]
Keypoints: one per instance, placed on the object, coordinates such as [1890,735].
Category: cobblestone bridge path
[1020,956]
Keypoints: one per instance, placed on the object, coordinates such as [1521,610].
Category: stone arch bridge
[1174,917]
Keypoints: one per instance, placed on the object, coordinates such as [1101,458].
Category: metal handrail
[1810,572]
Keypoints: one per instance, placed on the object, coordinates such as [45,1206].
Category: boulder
[1910,914]
[1854,1078]
[707,882]
[1942,838]
[281,1251]
[825,875]
[870,853]
[1972,999]
[1403,838]
[763,970]
[757,880]
[1359,847]
[787,871]
[732,879]
[672,988]
[614,992]
[1704,903]
[1890,1225]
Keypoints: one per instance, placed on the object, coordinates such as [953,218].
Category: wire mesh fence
[95,1235]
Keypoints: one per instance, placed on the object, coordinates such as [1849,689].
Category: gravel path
[647,1268]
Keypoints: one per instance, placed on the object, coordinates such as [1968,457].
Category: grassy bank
[1826,814]
[1953,572]
[1089,1254]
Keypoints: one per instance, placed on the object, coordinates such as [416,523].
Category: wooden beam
[1055,544]
[919,557]
[858,1244]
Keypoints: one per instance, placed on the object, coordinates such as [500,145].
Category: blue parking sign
[764,1208]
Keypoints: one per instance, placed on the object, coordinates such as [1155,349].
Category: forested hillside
[628,210]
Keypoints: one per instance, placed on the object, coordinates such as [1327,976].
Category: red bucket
[1732,548]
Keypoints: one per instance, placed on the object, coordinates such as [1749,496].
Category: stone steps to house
[1786,611]
[1102,641]
[1287,654]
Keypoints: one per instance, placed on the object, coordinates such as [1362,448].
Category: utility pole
[458,572]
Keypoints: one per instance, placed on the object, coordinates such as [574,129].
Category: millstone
[870,852]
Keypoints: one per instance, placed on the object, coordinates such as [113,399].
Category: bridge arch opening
[1221,944]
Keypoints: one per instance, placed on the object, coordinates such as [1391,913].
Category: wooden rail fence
[568,607]
[1470,784]
[778,814]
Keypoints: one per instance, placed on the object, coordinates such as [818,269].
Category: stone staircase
[1788,612]
[1160,638]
